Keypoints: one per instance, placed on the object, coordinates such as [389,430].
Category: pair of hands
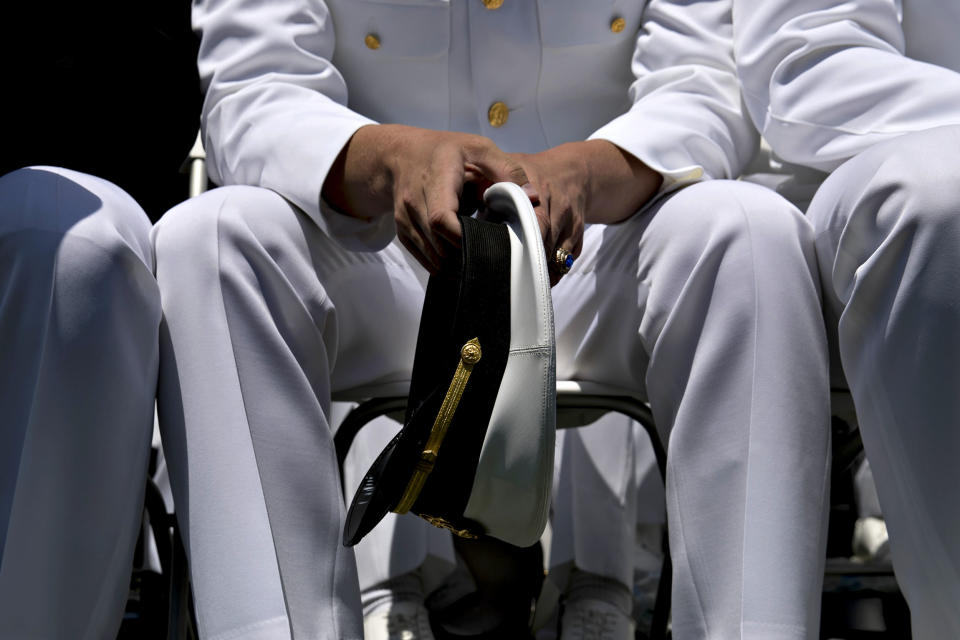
[427,178]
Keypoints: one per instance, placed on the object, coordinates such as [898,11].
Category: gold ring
[563,260]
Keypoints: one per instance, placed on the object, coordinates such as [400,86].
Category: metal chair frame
[181,621]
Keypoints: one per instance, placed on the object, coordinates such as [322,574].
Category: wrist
[359,183]
[620,183]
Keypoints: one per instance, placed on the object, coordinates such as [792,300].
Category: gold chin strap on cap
[469,355]
[443,524]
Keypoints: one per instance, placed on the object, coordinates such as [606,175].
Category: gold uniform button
[498,114]
[372,41]
[618,24]
[493,4]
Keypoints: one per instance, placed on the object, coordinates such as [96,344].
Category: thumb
[543,221]
[497,166]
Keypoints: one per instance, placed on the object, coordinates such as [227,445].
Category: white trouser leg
[594,505]
[79,311]
[709,302]
[605,482]
[888,241]
[265,316]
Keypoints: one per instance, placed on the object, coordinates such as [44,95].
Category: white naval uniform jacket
[825,80]
[289,81]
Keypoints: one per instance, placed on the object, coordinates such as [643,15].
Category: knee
[910,183]
[739,219]
[59,200]
[84,232]
[204,232]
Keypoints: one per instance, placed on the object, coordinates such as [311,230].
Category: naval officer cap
[475,453]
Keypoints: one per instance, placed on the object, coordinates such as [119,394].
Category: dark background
[109,88]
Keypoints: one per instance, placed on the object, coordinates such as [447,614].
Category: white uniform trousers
[605,482]
[888,242]
[79,312]
[708,303]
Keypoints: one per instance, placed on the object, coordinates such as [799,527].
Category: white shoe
[399,620]
[590,619]
[871,543]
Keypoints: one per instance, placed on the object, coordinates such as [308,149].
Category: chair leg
[641,413]
[356,420]
[661,608]
[181,624]
[159,525]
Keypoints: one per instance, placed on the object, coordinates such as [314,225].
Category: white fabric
[287,81]
[79,312]
[606,483]
[268,316]
[250,345]
[825,80]
[876,83]
[595,500]
[283,76]
[887,236]
[628,313]
[268,313]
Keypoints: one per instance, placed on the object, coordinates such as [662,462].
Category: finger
[432,245]
[569,230]
[496,165]
[414,209]
[532,192]
[567,220]
[410,246]
[412,237]
[475,175]
[555,270]
[477,185]
[555,215]
[540,200]
[441,197]
[574,243]
[543,221]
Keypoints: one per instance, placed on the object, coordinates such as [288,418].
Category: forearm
[580,183]
[359,182]
[825,81]
[687,121]
[619,183]
[601,181]
[384,165]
